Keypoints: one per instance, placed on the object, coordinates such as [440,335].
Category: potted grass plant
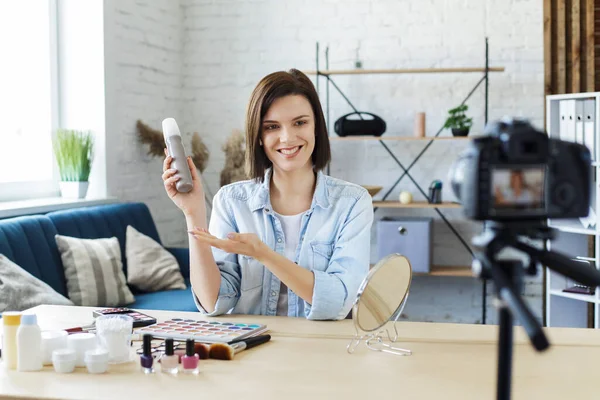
[74,152]
[458,122]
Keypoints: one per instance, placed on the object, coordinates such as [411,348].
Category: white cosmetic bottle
[29,344]
[177,151]
[11,321]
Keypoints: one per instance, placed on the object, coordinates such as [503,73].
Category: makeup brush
[86,328]
[224,351]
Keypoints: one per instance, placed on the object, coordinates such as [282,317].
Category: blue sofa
[29,242]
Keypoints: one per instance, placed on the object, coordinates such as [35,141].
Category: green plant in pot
[458,122]
[74,151]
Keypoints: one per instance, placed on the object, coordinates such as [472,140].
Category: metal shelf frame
[327,74]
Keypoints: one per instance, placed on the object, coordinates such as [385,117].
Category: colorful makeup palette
[202,331]
[139,319]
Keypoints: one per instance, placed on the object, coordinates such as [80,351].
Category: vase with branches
[458,122]
[74,153]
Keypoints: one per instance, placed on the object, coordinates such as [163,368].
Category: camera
[516,172]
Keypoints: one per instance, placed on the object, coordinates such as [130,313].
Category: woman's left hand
[247,244]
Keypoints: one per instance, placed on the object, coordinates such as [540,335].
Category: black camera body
[518,173]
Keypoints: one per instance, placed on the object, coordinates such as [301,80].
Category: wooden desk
[308,360]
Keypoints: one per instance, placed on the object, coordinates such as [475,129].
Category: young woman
[291,240]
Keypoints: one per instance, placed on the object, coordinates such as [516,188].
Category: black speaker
[373,126]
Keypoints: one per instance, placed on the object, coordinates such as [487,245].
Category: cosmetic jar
[64,360]
[80,343]
[96,361]
[52,340]
[114,334]
[11,321]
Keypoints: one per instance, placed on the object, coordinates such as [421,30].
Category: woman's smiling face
[288,133]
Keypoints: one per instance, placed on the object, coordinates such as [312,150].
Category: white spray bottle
[177,151]
[29,344]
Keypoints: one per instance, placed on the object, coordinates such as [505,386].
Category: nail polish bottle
[169,363]
[146,358]
[190,360]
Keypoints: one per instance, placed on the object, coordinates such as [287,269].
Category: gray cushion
[94,271]
[150,267]
[19,290]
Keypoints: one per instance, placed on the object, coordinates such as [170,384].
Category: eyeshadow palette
[202,331]
[139,319]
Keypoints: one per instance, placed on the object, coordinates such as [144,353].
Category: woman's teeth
[291,151]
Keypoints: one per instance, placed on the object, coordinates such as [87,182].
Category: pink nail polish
[169,363]
[190,360]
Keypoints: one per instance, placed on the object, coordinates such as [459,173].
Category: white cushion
[150,267]
[94,271]
[19,290]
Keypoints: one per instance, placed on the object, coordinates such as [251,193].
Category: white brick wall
[198,60]
[143,52]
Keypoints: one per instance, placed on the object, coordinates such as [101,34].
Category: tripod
[507,276]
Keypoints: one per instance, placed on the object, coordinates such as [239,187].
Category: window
[28,99]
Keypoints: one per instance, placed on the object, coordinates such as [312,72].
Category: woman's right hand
[191,201]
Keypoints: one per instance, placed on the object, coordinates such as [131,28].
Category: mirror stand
[377,341]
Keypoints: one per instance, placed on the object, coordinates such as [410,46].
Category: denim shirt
[334,244]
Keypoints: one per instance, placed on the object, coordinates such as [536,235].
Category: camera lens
[564,194]
[456,175]
[529,147]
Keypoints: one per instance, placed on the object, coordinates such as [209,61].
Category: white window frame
[14,191]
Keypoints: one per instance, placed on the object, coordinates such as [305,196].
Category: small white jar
[96,361]
[80,343]
[64,360]
[52,340]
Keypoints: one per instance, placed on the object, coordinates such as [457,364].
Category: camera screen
[518,188]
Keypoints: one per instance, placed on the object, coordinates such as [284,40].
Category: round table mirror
[382,296]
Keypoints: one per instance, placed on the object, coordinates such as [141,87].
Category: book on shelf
[580,289]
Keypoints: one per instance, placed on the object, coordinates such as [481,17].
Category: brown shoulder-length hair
[269,89]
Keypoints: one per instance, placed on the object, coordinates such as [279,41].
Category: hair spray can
[177,152]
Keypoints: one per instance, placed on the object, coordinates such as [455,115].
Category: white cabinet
[573,117]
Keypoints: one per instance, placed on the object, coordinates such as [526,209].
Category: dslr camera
[516,173]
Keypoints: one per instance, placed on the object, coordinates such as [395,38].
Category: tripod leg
[505,345]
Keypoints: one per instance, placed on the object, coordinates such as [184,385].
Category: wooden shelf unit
[390,137]
[590,298]
[485,70]
[446,270]
[404,71]
[417,204]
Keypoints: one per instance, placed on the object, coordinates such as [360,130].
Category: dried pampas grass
[234,149]
[156,145]
[153,138]
[234,170]
[199,152]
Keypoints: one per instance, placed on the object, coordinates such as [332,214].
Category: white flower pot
[73,190]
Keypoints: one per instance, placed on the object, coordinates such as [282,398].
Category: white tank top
[291,225]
